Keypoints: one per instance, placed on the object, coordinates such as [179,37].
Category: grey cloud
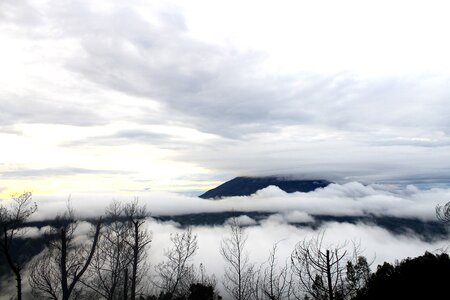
[229,94]
[129,136]
[415,142]
[140,134]
[19,12]
[143,137]
[214,89]
[382,123]
[225,91]
[28,108]
[339,157]
[50,172]
[222,90]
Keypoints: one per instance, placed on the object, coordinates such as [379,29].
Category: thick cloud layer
[350,199]
[377,244]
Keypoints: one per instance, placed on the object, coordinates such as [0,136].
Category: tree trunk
[19,286]
[135,261]
[125,285]
[63,266]
[330,287]
[15,268]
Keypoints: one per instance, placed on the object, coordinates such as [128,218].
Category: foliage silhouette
[423,277]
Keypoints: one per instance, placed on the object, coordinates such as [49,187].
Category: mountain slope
[245,186]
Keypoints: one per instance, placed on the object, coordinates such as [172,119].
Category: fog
[377,244]
[350,199]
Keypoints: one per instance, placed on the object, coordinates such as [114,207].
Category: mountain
[245,186]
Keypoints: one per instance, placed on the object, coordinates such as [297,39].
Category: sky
[178,96]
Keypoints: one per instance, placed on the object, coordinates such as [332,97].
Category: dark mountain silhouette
[245,186]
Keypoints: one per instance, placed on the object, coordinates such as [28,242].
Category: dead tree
[13,215]
[239,272]
[319,269]
[57,272]
[176,273]
[136,216]
[106,275]
[275,281]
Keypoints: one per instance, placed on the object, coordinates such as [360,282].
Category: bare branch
[239,272]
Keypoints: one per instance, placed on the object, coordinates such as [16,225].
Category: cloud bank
[377,244]
[350,199]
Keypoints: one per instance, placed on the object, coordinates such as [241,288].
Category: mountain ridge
[246,186]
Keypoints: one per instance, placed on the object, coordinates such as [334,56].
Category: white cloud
[298,217]
[376,243]
[350,199]
[242,220]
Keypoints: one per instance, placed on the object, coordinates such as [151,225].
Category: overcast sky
[126,96]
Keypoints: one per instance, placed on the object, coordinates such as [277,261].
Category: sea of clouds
[350,199]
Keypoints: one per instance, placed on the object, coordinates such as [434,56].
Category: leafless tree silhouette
[176,273]
[238,278]
[57,272]
[320,270]
[136,216]
[275,281]
[107,271]
[13,215]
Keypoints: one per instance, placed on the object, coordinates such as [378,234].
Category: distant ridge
[245,186]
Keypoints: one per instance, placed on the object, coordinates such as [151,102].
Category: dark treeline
[111,261]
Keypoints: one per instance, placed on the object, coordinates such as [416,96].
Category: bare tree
[275,281]
[12,219]
[58,270]
[140,239]
[238,272]
[319,269]
[107,271]
[176,273]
